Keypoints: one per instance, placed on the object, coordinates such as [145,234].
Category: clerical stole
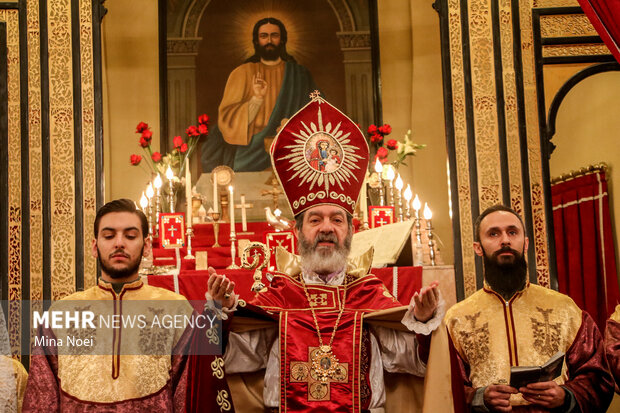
[312,380]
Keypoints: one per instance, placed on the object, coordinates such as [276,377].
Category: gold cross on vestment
[303,372]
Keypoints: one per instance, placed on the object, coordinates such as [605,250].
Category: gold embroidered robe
[122,380]
[490,335]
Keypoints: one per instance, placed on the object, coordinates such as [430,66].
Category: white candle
[231,205]
[215,201]
[188,194]
[244,218]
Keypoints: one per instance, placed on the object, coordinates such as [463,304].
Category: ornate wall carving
[494,43]
[42,223]
[14,244]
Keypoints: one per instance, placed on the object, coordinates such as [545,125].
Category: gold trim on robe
[491,335]
[120,376]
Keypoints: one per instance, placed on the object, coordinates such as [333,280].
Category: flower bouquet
[403,148]
[177,159]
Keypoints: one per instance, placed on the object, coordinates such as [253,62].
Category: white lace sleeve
[431,325]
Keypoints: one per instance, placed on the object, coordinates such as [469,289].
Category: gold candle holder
[390,175]
[233,251]
[379,171]
[407,196]
[419,255]
[157,183]
[399,188]
[429,228]
[189,232]
[170,177]
[215,216]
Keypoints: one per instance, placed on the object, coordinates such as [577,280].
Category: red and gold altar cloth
[348,391]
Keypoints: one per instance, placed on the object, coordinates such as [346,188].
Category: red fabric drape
[584,245]
[605,17]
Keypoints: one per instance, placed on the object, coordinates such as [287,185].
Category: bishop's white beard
[324,260]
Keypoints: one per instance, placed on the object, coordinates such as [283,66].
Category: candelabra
[379,171]
[170,177]
[215,216]
[407,196]
[429,228]
[233,251]
[431,244]
[157,183]
[419,256]
[189,232]
[399,187]
[390,178]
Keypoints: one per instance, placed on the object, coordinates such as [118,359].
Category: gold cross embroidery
[302,372]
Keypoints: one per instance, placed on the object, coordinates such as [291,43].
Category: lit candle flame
[390,173]
[169,173]
[149,191]
[408,194]
[157,183]
[399,183]
[144,202]
[427,212]
[378,167]
[416,203]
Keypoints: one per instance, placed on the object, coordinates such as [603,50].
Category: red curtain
[584,244]
[605,17]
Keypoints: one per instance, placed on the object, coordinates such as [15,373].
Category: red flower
[385,129]
[192,131]
[135,159]
[183,148]
[141,127]
[147,134]
[372,129]
[144,142]
[382,153]
[202,129]
[376,138]
[177,141]
[203,119]
[156,156]
[392,144]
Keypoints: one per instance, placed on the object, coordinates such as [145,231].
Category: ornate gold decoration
[485,103]
[62,182]
[575,50]
[89,178]
[321,369]
[325,366]
[35,154]
[539,237]
[222,400]
[555,3]
[481,41]
[14,246]
[460,143]
[255,265]
[596,168]
[217,366]
[213,336]
[566,25]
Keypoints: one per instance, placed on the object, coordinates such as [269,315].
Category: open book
[521,376]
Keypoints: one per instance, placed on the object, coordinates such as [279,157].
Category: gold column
[62,180]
